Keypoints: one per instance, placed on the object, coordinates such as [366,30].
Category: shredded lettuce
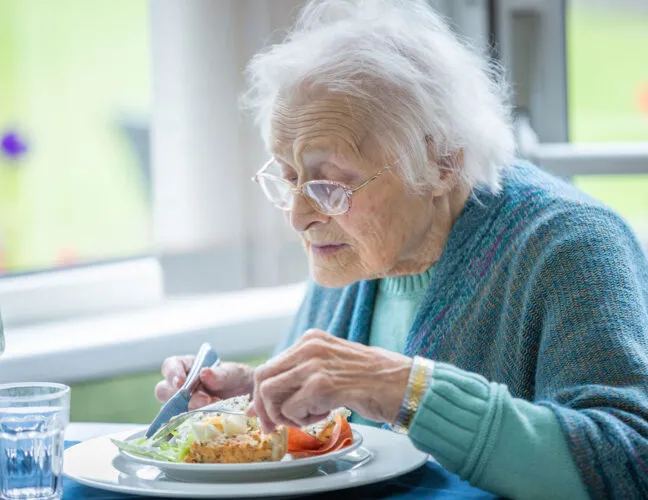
[170,451]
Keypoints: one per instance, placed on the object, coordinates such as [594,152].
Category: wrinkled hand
[221,382]
[322,372]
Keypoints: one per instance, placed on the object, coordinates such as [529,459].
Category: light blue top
[397,303]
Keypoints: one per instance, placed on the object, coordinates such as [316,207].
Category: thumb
[250,410]
[218,379]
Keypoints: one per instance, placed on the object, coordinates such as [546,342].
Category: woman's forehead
[314,153]
[324,125]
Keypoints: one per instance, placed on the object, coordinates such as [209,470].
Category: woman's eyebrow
[315,157]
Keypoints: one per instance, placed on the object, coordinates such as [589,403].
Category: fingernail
[176,381]
[198,401]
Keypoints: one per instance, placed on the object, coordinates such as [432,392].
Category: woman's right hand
[220,382]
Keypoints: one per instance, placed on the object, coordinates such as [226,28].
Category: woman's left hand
[322,372]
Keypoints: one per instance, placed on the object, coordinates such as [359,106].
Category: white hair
[422,84]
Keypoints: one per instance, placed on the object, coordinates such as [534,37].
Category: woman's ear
[448,167]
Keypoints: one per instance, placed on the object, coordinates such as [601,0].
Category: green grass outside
[607,72]
[607,82]
[69,69]
[127,399]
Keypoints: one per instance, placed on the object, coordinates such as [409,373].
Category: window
[173,74]
[74,89]
[607,77]
[84,85]
[581,77]
[75,204]
[607,70]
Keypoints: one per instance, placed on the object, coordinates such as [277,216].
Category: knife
[179,403]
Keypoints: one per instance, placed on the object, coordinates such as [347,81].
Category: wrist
[396,390]
[418,382]
[377,393]
[387,383]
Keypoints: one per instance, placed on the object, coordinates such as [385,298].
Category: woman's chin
[332,279]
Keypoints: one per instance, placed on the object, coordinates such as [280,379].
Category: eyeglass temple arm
[370,179]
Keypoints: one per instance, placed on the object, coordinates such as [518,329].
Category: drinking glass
[2,339]
[33,418]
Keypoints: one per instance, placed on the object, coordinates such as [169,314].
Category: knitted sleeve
[591,287]
[587,286]
[496,442]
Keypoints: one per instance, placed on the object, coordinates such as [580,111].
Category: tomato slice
[299,440]
[341,437]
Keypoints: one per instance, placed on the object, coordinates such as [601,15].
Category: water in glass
[33,418]
[2,339]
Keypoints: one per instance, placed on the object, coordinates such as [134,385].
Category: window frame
[541,119]
[94,289]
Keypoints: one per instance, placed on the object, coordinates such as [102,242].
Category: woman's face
[383,232]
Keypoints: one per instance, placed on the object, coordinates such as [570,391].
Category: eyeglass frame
[299,189]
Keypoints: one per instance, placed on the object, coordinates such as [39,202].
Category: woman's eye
[292,178]
[289,175]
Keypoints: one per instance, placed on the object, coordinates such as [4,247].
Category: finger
[311,403]
[313,419]
[200,399]
[258,408]
[266,424]
[212,380]
[312,349]
[223,379]
[273,392]
[315,333]
[164,391]
[250,410]
[176,366]
[177,382]
[272,398]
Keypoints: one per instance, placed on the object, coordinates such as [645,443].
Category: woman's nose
[303,215]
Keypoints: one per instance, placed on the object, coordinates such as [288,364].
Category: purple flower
[13,145]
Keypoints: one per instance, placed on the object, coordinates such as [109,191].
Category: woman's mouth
[326,249]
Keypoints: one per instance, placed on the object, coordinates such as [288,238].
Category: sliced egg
[234,424]
[204,431]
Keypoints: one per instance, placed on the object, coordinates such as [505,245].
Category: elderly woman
[489,310]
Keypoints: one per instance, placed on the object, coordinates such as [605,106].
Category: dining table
[428,481]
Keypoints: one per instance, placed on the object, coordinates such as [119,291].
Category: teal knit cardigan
[544,290]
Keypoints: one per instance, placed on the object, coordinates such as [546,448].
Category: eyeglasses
[327,197]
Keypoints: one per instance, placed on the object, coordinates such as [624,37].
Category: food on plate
[234,439]
[227,439]
[331,434]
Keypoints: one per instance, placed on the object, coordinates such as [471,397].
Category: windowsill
[238,324]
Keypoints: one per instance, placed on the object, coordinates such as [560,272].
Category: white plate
[98,463]
[288,468]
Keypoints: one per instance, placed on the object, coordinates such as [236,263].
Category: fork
[164,433]
[355,459]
